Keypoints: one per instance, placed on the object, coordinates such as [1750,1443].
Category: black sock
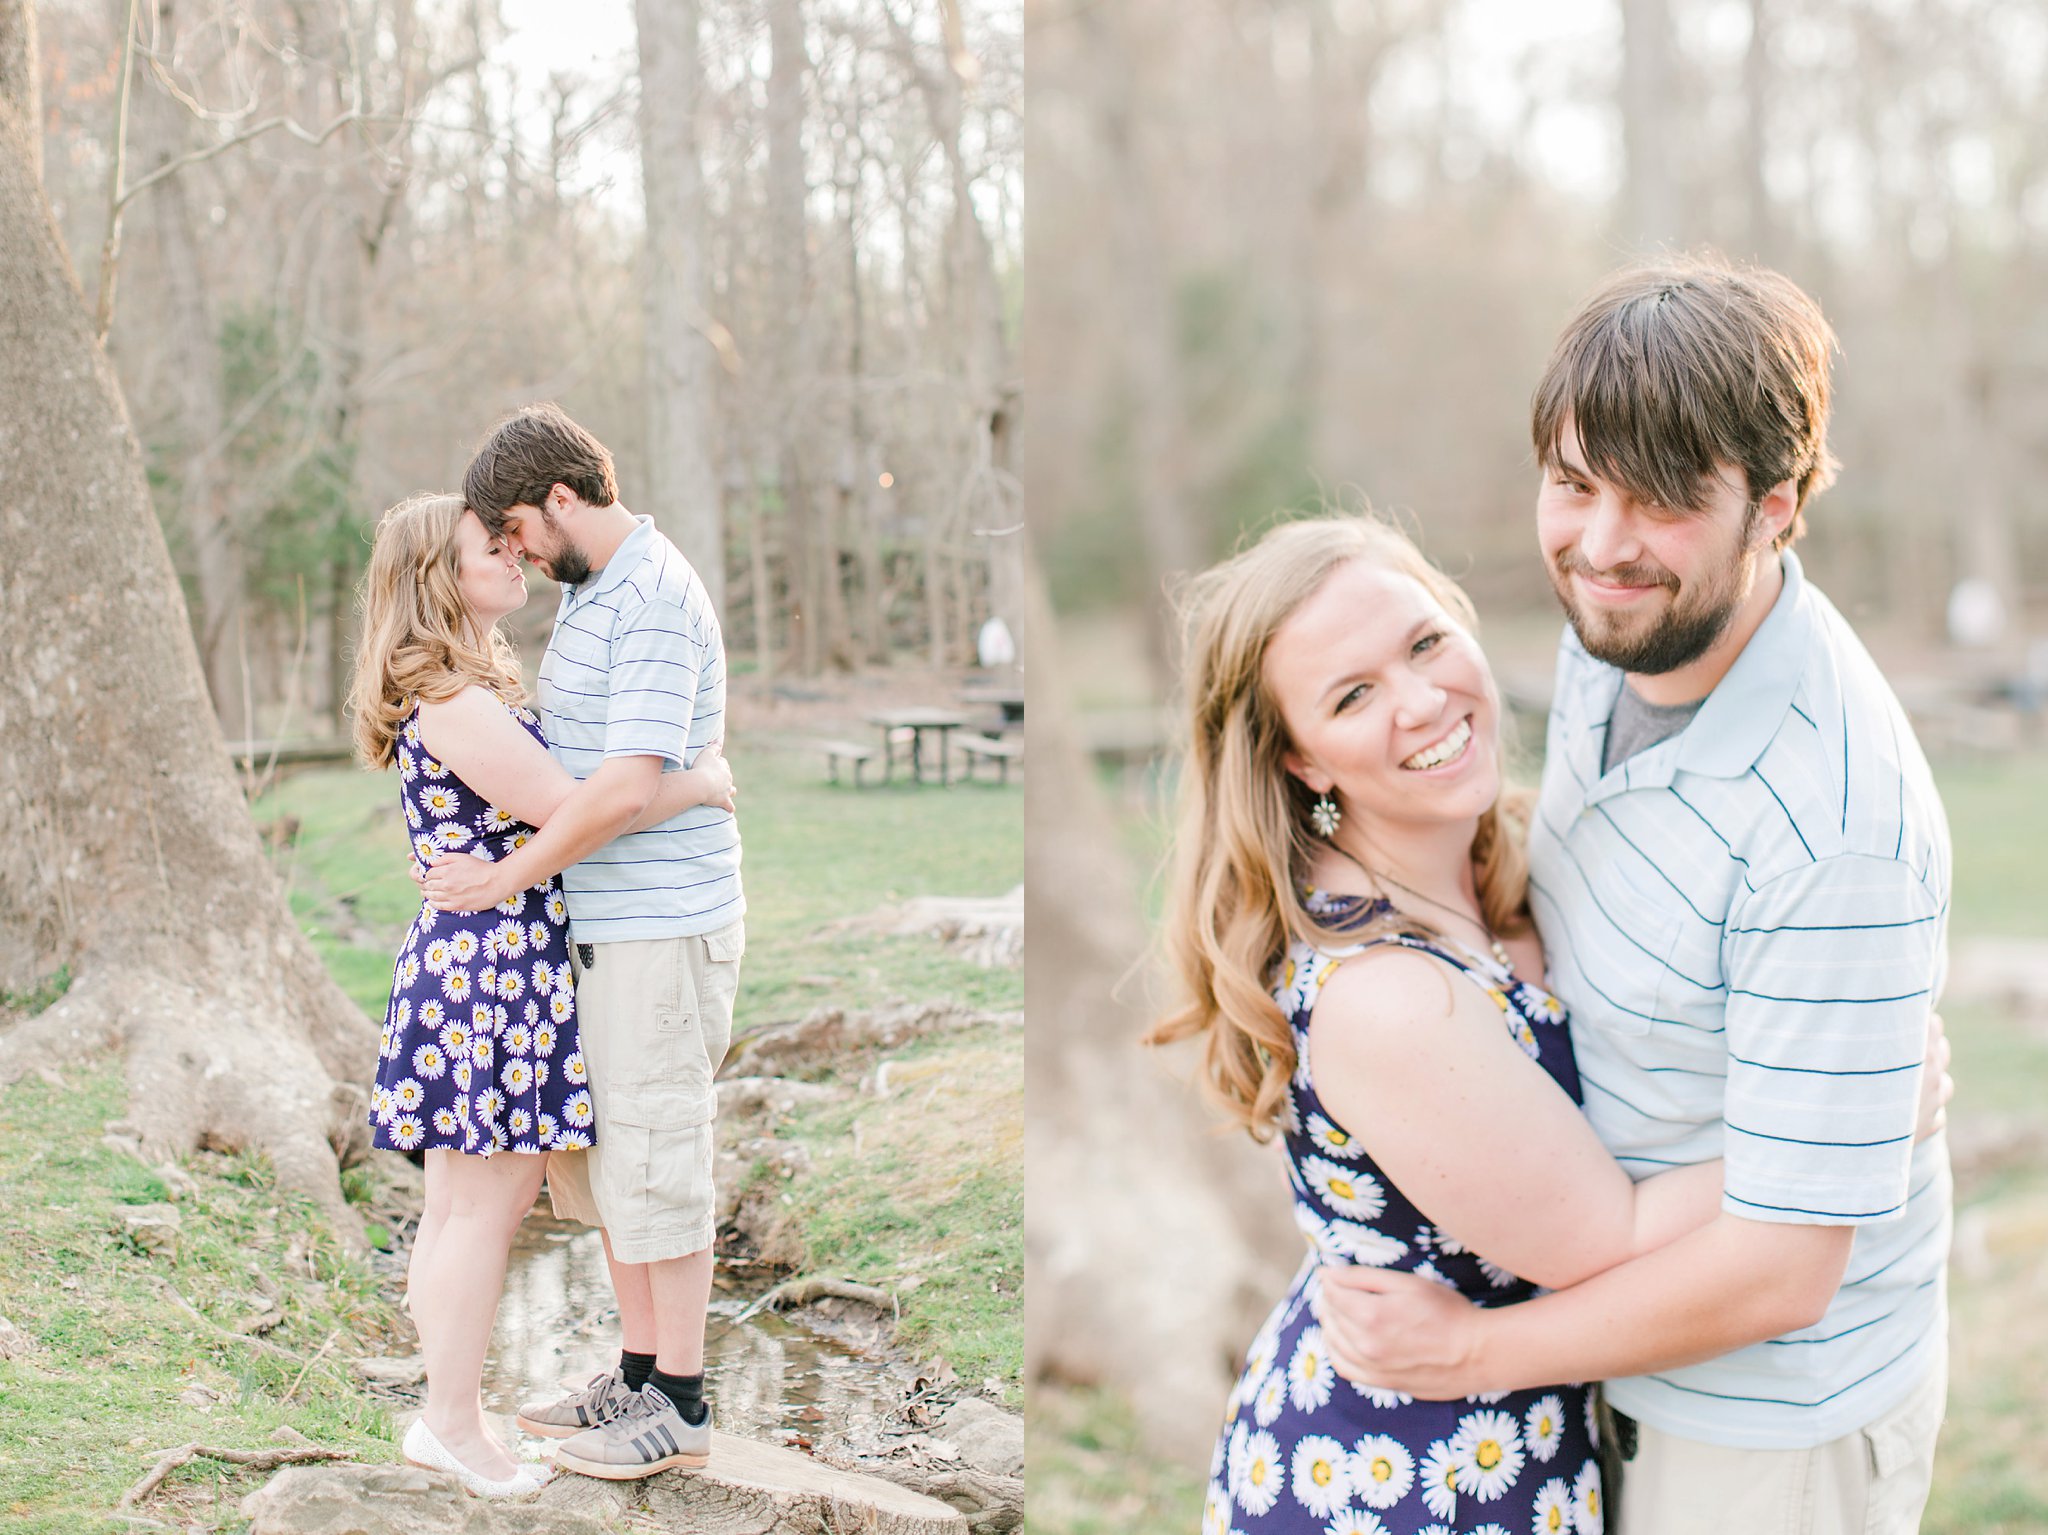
[635,1368]
[685,1394]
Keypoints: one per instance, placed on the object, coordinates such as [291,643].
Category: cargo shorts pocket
[657,1161]
[718,984]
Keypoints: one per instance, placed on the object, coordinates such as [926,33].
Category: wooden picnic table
[917,720]
[1009,699]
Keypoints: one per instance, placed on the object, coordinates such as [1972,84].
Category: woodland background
[767,252]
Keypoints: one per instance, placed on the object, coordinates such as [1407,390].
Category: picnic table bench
[851,751]
[979,749]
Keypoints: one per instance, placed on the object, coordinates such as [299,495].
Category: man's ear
[1317,780]
[1774,513]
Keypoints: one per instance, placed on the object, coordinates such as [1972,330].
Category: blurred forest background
[768,252]
[1333,241]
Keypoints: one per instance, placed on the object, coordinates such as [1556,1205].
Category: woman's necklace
[1499,949]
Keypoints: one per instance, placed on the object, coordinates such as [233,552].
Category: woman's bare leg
[455,1284]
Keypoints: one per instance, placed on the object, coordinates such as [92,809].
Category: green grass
[942,1208]
[87,1410]
[922,1192]
[2001,844]
[1091,1473]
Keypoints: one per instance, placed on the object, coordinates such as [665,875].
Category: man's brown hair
[1687,363]
[529,453]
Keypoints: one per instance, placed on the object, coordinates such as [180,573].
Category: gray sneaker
[599,1402]
[649,1436]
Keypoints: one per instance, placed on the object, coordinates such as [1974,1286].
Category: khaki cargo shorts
[656,1017]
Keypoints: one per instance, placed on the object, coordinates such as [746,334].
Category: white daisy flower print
[1589,1509]
[544,1039]
[532,1013]
[574,1069]
[452,836]
[408,1132]
[1355,1521]
[445,1122]
[1592,1420]
[1526,1037]
[537,933]
[408,1095]
[455,986]
[380,1104]
[1543,1426]
[1262,1476]
[1491,1529]
[1444,1242]
[558,908]
[1362,1244]
[1310,1374]
[1380,1396]
[1331,1141]
[1434,1275]
[1487,1449]
[483,1050]
[429,1062]
[432,768]
[543,975]
[487,980]
[1496,1276]
[546,1125]
[1272,1397]
[496,818]
[490,1103]
[1438,1475]
[519,1041]
[519,1121]
[572,1140]
[518,1077]
[560,1005]
[463,945]
[1553,1509]
[460,1076]
[431,1014]
[514,904]
[510,985]
[576,1110]
[1216,1511]
[1382,1470]
[439,802]
[440,954]
[1318,1476]
[520,839]
[1347,1191]
[454,1035]
[410,732]
[409,971]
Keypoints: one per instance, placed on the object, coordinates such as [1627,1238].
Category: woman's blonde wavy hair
[418,643]
[1244,845]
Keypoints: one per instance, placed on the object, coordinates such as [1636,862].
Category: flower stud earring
[1324,815]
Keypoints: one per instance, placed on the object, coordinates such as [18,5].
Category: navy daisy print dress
[1305,1451]
[480,1051]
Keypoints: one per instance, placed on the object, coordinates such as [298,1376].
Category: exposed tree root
[255,1460]
[801,1291]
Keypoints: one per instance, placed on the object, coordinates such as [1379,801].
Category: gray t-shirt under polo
[1637,726]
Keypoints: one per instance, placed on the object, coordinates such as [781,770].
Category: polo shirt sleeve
[657,658]
[1831,971]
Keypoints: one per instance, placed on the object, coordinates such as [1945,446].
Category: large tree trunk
[682,484]
[130,856]
[1152,1246]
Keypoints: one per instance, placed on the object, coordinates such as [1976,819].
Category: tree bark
[1650,194]
[130,855]
[682,483]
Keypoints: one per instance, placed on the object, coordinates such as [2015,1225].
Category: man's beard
[568,564]
[1688,628]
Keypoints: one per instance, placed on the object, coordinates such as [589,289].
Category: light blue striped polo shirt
[1748,922]
[636,667]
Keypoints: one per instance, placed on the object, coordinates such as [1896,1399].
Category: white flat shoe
[423,1449]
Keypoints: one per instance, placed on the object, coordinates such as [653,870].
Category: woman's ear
[1315,778]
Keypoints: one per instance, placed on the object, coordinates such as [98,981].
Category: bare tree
[132,858]
[682,481]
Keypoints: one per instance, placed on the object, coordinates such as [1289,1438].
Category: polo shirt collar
[1736,721]
[1748,706]
[624,561]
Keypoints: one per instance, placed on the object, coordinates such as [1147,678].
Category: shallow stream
[768,1378]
